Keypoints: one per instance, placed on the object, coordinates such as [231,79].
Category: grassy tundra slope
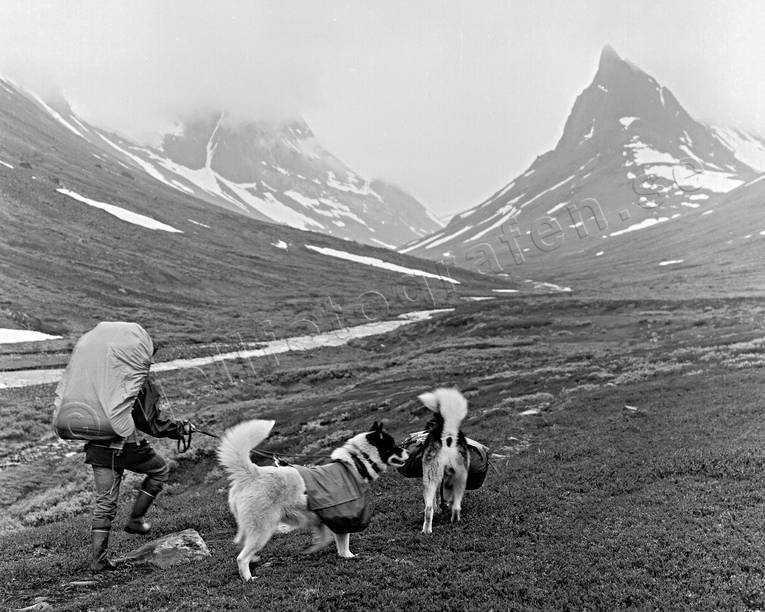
[588,504]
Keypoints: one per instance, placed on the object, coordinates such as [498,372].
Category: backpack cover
[107,369]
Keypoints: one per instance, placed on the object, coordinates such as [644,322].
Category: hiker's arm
[150,420]
[159,427]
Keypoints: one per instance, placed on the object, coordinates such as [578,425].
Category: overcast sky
[449,99]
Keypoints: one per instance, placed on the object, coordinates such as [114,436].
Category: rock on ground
[172,549]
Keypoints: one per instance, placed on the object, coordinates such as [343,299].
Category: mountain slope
[277,172]
[715,251]
[629,157]
[746,146]
[89,237]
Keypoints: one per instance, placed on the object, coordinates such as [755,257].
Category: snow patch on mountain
[549,286]
[746,147]
[350,187]
[385,245]
[556,208]
[55,114]
[719,182]
[121,213]
[757,180]
[147,167]
[548,190]
[279,212]
[424,243]
[449,237]
[13,336]
[378,263]
[639,226]
[501,221]
[643,154]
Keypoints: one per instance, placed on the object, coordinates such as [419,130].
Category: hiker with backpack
[107,398]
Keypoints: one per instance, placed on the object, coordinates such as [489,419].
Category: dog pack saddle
[338,496]
[414,444]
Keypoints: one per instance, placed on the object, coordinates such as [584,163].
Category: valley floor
[627,469]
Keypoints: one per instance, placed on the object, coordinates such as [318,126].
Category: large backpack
[106,370]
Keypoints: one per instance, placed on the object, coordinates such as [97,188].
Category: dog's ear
[377,427]
[429,400]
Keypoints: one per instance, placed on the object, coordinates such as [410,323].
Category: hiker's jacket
[148,418]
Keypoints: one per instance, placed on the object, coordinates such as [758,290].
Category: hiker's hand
[188,427]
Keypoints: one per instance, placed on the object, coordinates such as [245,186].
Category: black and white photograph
[369,306]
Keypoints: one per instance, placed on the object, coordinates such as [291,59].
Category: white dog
[329,499]
[445,457]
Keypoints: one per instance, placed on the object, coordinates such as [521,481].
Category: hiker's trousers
[109,466]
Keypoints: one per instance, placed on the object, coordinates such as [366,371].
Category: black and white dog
[445,456]
[330,500]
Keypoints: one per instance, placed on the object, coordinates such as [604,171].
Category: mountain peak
[628,146]
[608,55]
[613,66]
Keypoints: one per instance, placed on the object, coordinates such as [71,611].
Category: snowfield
[642,225]
[121,213]
[378,263]
[12,336]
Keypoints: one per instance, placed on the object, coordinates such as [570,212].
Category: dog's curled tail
[236,443]
[450,404]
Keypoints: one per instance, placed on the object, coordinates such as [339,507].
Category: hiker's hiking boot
[137,524]
[99,539]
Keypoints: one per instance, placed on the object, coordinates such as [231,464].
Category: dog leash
[280,461]
[185,444]
[207,433]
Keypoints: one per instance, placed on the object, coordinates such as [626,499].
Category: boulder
[173,549]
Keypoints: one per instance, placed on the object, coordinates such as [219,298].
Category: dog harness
[338,495]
